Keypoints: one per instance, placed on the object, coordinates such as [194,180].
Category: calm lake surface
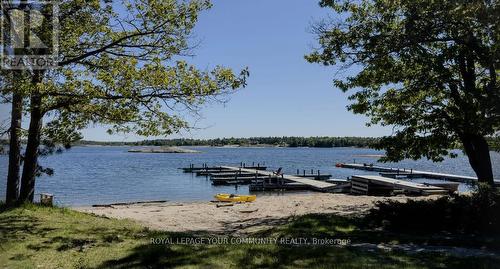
[92,175]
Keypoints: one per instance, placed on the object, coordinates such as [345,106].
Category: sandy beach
[240,218]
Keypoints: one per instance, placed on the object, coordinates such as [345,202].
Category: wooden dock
[233,175]
[368,184]
[313,184]
[394,172]
[206,168]
[262,180]
[221,175]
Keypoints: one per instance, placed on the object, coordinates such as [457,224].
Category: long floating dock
[407,172]
[208,169]
[216,169]
[313,184]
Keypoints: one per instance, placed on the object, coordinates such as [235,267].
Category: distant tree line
[286,141]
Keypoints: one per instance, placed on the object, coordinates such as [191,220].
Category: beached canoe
[226,197]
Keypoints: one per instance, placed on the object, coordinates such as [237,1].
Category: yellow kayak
[226,197]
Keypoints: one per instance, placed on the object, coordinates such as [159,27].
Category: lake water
[91,175]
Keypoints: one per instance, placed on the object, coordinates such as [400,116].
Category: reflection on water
[89,175]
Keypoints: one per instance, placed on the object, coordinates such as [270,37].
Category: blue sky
[285,96]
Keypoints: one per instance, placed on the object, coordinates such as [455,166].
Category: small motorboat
[226,197]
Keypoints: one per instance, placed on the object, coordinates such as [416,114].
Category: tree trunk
[478,152]
[31,156]
[12,194]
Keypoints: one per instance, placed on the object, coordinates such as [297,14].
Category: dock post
[253,164]
[312,171]
[298,172]
[318,173]
[304,172]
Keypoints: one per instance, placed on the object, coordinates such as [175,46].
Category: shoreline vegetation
[259,142]
[319,142]
[272,141]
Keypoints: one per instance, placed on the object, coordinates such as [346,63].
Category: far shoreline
[209,146]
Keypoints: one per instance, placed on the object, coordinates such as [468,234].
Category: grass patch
[41,237]
[44,237]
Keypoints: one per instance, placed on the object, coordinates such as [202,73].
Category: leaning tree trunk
[31,156]
[12,194]
[478,152]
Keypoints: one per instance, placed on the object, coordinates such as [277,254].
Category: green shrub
[477,213]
